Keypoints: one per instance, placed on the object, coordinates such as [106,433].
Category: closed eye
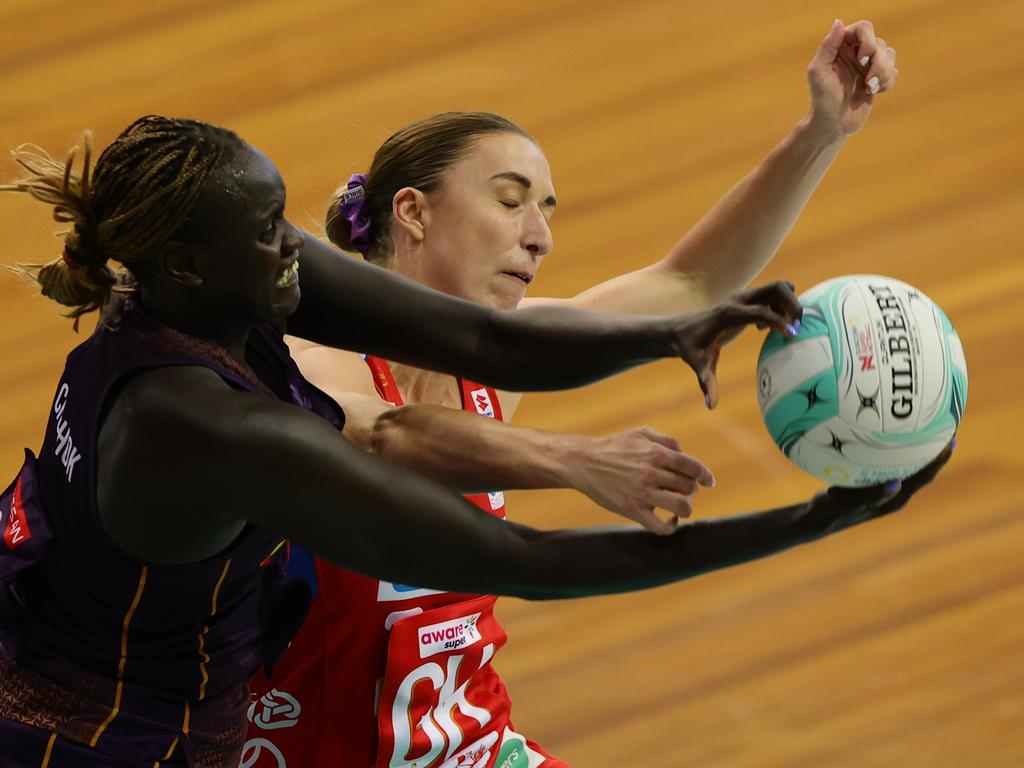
[510,203]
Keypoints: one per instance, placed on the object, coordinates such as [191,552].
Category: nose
[537,238]
[293,239]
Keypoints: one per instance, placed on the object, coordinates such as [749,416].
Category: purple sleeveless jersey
[106,657]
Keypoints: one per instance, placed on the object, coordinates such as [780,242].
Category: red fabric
[383,675]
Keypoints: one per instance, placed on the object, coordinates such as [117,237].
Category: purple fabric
[351,207]
[75,588]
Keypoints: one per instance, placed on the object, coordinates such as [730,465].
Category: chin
[285,306]
[505,296]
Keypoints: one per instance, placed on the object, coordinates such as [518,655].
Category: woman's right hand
[702,335]
[636,472]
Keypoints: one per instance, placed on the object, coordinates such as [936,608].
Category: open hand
[703,334]
[839,508]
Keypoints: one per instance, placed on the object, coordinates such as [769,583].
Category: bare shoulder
[334,370]
[159,446]
[185,395]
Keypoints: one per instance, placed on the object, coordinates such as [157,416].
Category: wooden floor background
[897,644]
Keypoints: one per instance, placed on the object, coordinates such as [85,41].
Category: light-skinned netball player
[138,570]
[461,202]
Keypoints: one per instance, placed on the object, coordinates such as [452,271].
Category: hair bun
[82,250]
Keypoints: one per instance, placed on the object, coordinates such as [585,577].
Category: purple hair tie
[350,206]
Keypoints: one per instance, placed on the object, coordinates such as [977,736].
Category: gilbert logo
[482,402]
[449,635]
[16,531]
[274,710]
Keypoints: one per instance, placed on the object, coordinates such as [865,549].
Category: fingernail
[792,329]
[707,401]
[892,486]
[864,60]
[952,445]
[796,325]
[873,85]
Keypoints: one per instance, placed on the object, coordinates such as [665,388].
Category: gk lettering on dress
[66,450]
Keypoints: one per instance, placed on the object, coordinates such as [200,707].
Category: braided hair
[140,194]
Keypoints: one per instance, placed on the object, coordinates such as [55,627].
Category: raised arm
[741,233]
[279,467]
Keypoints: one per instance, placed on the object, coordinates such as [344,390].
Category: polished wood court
[897,644]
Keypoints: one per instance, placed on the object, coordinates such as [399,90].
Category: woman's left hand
[851,67]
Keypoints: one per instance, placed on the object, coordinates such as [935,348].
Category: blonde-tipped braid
[141,191]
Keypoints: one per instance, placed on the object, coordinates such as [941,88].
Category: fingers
[655,524]
[780,296]
[688,467]
[763,317]
[919,479]
[680,505]
[678,463]
[876,61]
[661,439]
[868,496]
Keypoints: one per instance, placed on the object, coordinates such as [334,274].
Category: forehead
[248,183]
[502,152]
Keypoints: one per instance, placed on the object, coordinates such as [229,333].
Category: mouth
[525,277]
[290,276]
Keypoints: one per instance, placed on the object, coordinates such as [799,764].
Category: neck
[419,386]
[194,320]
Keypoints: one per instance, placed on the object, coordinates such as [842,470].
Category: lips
[526,277]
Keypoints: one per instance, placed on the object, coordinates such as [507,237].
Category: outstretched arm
[350,304]
[741,233]
[284,469]
[631,473]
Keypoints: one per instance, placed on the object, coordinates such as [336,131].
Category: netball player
[139,590]
[461,202]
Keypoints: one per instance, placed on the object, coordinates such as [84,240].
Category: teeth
[289,275]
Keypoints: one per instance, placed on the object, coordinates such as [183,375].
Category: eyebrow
[270,208]
[524,182]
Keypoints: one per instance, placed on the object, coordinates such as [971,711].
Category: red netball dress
[386,675]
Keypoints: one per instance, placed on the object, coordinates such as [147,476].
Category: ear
[410,210]
[182,263]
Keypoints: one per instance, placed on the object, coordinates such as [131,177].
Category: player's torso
[387,674]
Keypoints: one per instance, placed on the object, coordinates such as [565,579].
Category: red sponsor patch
[16,532]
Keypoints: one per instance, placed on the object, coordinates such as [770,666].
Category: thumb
[829,48]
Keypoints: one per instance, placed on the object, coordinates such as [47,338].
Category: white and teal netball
[871,389]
